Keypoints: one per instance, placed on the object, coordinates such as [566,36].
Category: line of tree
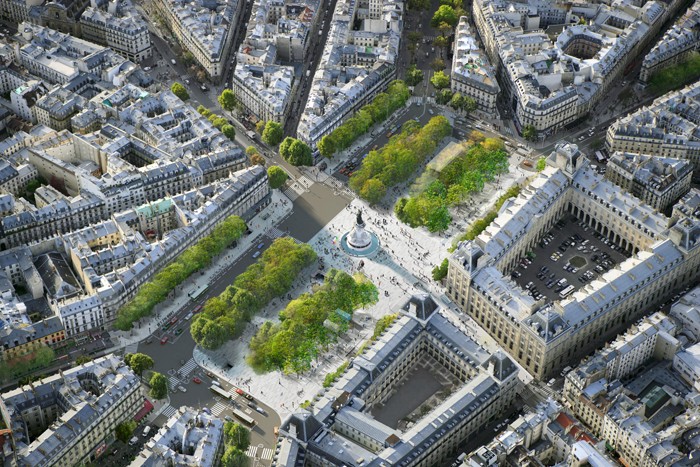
[225,316]
[480,225]
[462,177]
[190,261]
[310,323]
[399,158]
[383,105]
[219,122]
[236,442]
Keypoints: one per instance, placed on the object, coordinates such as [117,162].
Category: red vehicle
[173,320]
[197,309]
[240,391]
[197,380]
[164,340]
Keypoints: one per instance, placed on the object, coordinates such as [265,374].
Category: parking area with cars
[566,258]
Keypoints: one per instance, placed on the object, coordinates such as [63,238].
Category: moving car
[164,340]
[196,380]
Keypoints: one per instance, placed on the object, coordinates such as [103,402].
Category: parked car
[196,380]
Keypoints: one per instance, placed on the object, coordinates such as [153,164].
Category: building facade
[544,337]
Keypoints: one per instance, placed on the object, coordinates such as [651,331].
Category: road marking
[267,454]
[187,368]
[169,411]
[174,382]
[218,409]
[251,451]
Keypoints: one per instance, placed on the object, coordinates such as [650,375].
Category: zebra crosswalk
[265,454]
[218,409]
[169,411]
[291,193]
[187,368]
[174,382]
[273,233]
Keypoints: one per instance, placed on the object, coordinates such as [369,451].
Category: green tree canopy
[440,80]
[414,76]
[229,131]
[530,133]
[273,133]
[260,127]
[257,159]
[159,386]
[227,100]
[444,14]
[440,271]
[443,96]
[296,152]
[234,457]
[276,176]
[219,123]
[250,150]
[237,435]
[541,164]
[139,362]
[179,90]
[125,430]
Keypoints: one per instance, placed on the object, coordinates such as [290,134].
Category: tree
[529,132]
[138,362]
[414,75]
[237,435]
[273,133]
[257,159]
[125,430]
[444,14]
[326,146]
[202,110]
[295,152]
[187,58]
[159,386]
[373,191]
[250,150]
[234,457]
[441,42]
[82,359]
[443,96]
[276,176]
[219,123]
[445,30]
[180,91]
[437,65]
[440,271]
[227,100]
[260,127]
[440,80]
[229,131]
[541,164]
[414,37]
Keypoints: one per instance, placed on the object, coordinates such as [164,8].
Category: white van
[146,431]
[215,383]
[133,440]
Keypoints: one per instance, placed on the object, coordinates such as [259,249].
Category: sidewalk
[400,268]
[279,208]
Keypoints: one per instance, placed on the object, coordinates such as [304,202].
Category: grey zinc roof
[365,424]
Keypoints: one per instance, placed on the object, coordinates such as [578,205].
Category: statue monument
[359,241]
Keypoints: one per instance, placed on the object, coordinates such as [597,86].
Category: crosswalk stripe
[267,454]
[251,451]
[218,409]
[291,194]
[188,367]
[174,382]
[169,411]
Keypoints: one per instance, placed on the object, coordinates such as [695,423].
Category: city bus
[247,419]
[219,391]
[200,293]
[566,292]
